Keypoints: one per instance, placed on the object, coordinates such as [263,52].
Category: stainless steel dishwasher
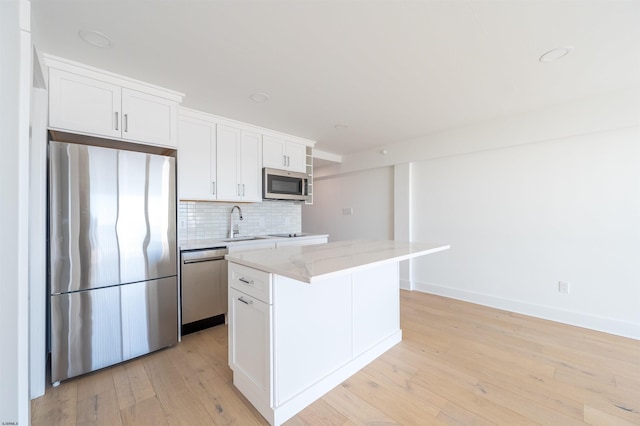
[204,288]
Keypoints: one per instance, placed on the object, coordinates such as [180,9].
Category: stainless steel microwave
[284,185]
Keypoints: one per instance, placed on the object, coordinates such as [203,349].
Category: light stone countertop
[220,242]
[313,263]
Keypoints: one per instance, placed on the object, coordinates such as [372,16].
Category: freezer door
[97,328]
[112,217]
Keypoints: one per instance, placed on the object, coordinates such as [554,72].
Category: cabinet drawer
[250,281]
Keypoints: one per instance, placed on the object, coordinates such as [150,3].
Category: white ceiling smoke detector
[95,38]
[555,54]
[259,97]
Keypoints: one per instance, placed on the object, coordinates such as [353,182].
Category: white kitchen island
[304,319]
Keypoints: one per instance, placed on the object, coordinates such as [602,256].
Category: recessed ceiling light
[95,38]
[259,97]
[555,54]
[341,126]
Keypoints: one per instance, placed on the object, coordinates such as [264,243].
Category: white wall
[521,219]
[525,201]
[15,56]
[369,193]
[38,243]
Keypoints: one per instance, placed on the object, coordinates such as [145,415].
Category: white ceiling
[390,70]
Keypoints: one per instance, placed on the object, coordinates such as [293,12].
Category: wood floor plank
[595,417]
[320,413]
[397,375]
[526,407]
[224,403]
[405,408]
[132,383]
[95,383]
[355,408]
[454,414]
[99,409]
[180,404]
[57,407]
[147,412]
[458,364]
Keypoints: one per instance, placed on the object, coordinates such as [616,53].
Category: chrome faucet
[233,232]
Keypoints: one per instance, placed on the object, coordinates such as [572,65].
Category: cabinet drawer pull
[126,122]
[246,302]
[246,281]
[117,121]
[284,160]
[213,188]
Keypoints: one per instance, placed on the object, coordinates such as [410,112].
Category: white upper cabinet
[84,104]
[251,166]
[227,154]
[149,118]
[282,154]
[89,101]
[238,159]
[196,159]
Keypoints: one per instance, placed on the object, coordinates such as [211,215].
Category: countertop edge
[317,278]
[214,242]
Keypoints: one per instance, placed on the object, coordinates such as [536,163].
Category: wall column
[402,216]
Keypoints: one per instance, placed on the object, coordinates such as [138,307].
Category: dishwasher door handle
[207,255]
[206,259]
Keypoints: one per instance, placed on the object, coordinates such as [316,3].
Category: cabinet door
[312,332]
[250,342]
[376,305]
[296,157]
[273,153]
[196,160]
[227,155]
[251,167]
[149,118]
[82,104]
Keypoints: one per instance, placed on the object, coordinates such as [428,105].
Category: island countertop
[313,263]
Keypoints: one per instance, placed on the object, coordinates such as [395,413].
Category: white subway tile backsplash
[209,220]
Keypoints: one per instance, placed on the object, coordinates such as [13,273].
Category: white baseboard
[405,285]
[607,325]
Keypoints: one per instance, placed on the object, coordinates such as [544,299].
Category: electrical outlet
[563,287]
[347,211]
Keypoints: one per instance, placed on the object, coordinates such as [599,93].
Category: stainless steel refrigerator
[112,256]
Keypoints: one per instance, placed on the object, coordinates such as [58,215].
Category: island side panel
[376,306]
[312,332]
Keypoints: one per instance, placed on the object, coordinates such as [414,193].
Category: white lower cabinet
[288,353]
[250,347]
[313,332]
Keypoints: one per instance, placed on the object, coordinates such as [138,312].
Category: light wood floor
[458,363]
